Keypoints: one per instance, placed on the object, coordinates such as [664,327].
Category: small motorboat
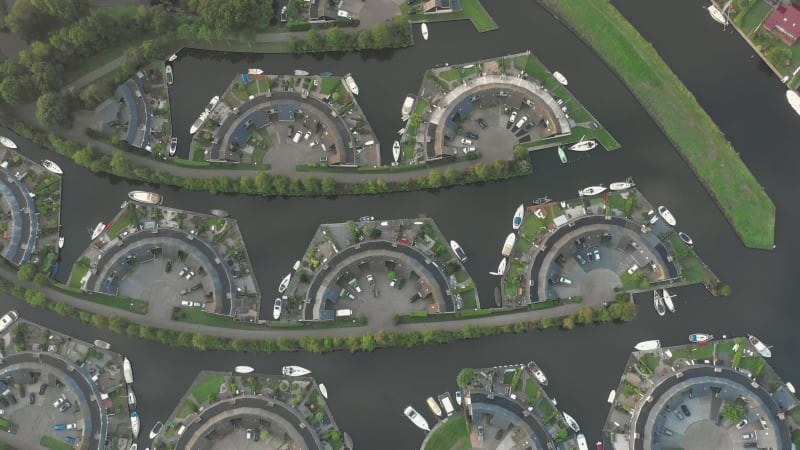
[611,396]
[685,238]
[173,146]
[135,424]
[458,397]
[212,104]
[538,373]
[296,265]
[434,406]
[645,346]
[501,268]
[276,309]
[658,303]
[61,242]
[243,369]
[127,371]
[696,338]
[254,71]
[366,218]
[717,14]
[7,142]
[326,74]
[52,167]
[351,84]
[300,73]
[98,230]
[156,430]
[424,29]
[583,145]
[131,398]
[622,185]
[284,283]
[168,74]
[794,100]
[198,123]
[462,256]
[173,58]
[666,215]
[323,390]
[149,198]
[401,131]
[508,245]
[518,216]
[396,151]
[582,444]
[416,418]
[571,422]
[295,371]
[668,300]
[592,190]
[220,213]
[560,78]
[762,349]
[562,155]
[102,344]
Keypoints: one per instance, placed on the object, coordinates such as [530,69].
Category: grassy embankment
[471,9]
[742,199]
[452,435]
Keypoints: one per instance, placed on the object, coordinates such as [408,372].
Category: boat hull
[416,418]
[284,283]
[127,371]
[562,155]
[323,390]
[396,151]
[685,238]
[52,167]
[518,216]
[762,349]
[295,371]
[794,100]
[700,337]
[658,304]
[620,186]
[102,344]
[424,29]
[583,146]
[717,15]
[571,422]
[667,215]
[560,78]
[219,212]
[434,406]
[648,345]
[592,190]
[508,245]
[300,73]
[135,424]
[7,142]
[243,369]
[462,256]
[149,198]
[351,84]
[668,301]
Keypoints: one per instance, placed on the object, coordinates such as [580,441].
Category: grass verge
[451,435]
[742,199]
[125,303]
[471,9]
[208,389]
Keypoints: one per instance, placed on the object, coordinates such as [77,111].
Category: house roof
[787,20]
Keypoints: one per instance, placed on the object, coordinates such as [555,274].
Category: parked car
[750,444]
[472,135]
[480,433]
[59,401]
[168,267]
[307,135]
[513,117]
[597,258]
[42,388]
[742,424]
[65,406]
[580,258]
[32,398]
[70,440]
[482,124]
[749,435]
[290,131]
[686,411]
[466,141]
[190,275]
[679,415]
[249,434]
[183,271]
[564,280]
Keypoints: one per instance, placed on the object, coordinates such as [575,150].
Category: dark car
[482,123]
[750,444]
[686,410]
[32,398]
[290,132]
[472,136]
[21,391]
[42,388]
[415,297]
[256,434]
[168,267]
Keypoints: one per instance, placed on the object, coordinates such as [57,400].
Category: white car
[8,319]
[183,271]
[190,274]
[72,426]
[466,141]
[742,424]
[513,117]
[521,122]
[307,135]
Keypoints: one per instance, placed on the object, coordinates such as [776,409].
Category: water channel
[368,391]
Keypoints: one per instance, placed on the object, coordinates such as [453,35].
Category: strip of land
[742,199]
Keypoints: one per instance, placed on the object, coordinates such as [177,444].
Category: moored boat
[700,337]
[424,29]
[276,309]
[284,283]
[173,146]
[212,104]
[501,268]
[254,71]
[396,151]
[134,446]
[717,14]
[462,256]
[562,155]
[794,100]
[135,424]
[102,344]
[300,73]
[326,74]
[592,190]
[537,373]
[168,74]
[571,422]
[131,398]
[52,167]
[7,142]
[508,245]
[98,230]
[323,390]
[243,369]
[668,300]
[598,445]
[173,57]
[622,185]
[220,213]
[648,345]
[198,123]
[408,106]
[150,198]
[61,242]
[658,303]
[351,84]
[762,349]
[416,418]
[295,371]
[434,406]
[518,215]
[582,444]
[583,145]
[156,429]
[560,78]
[127,370]
[666,215]
[685,238]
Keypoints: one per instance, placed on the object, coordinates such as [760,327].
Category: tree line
[395,34]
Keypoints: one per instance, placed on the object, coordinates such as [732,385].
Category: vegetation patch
[452,435]
[208,389]
[54,444]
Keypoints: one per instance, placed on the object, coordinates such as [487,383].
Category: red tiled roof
[787,19]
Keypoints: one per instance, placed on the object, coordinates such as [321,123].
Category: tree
[329,185]
[465,377]
[311,185]
[451,176]
[481,171]
[41,279]
[335,39]
[314,41]
[52,109]
[35,298]
[11,91]
[434,179]
[29,22]
[568,322]
[117,324]
[121,165]
[585,315]
[364,39]
[26,272]
[734,412]
[380,36]
[368,342]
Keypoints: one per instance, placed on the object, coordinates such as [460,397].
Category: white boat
[127,370]
[611,396]
[173,146]
[220,212]
[538,373]
[762,349]
[156,430]
[98,230]
[61,242]
[518,215]
[135,424]
[7,142]
[447,404]
[592,190]
[102,344]
[296,266]
[150,198]
[658,303]
[243,369]
[645,346]
[668,300]
[52,167]
[571,422]
[508,245]
[582,444]
[168,74]
[458,397]
[173,58]
[212,104]
[794,100]
[685,238]
[134,446]
[416,418]
[131,398]
[276,309]
[583,145]
[666,215]
[323,390]
[560,78]
[254,71]
[351,84]
[295,371]
[717,15]
[700,337]
[424,29]
[284,283]
[198,123]
[622,185]
[501,268]
[434,406]
[396,151]
[408,106]
[790,387]
[462,256]
[300,73]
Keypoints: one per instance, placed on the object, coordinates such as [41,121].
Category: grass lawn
[125,303]
[208,389]
[754,17]
[120,225]
[693,270]
[532,390]
[54,444]
[470,300]
[652,360]
[8,426]
[194,315]
[716,163]
[694,353]
[478,15]
[452,435]
[77,274]
[187,407]
[755,364]
[329,84]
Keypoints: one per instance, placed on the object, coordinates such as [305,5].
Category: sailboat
[396,151]
[518,215]
[52,167]
[717,14]
[583,145]
[622,185]
[462,256]
[424,29]
[7,142]
[562,155]
[762,349]
[61,242]
[592,190]
[560,78]
[295,371]
[571,422]
[323,390]
[658,303]
[501,269]
[198,123]
[284,283]
[668,301]
[98,230]
[700,337]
